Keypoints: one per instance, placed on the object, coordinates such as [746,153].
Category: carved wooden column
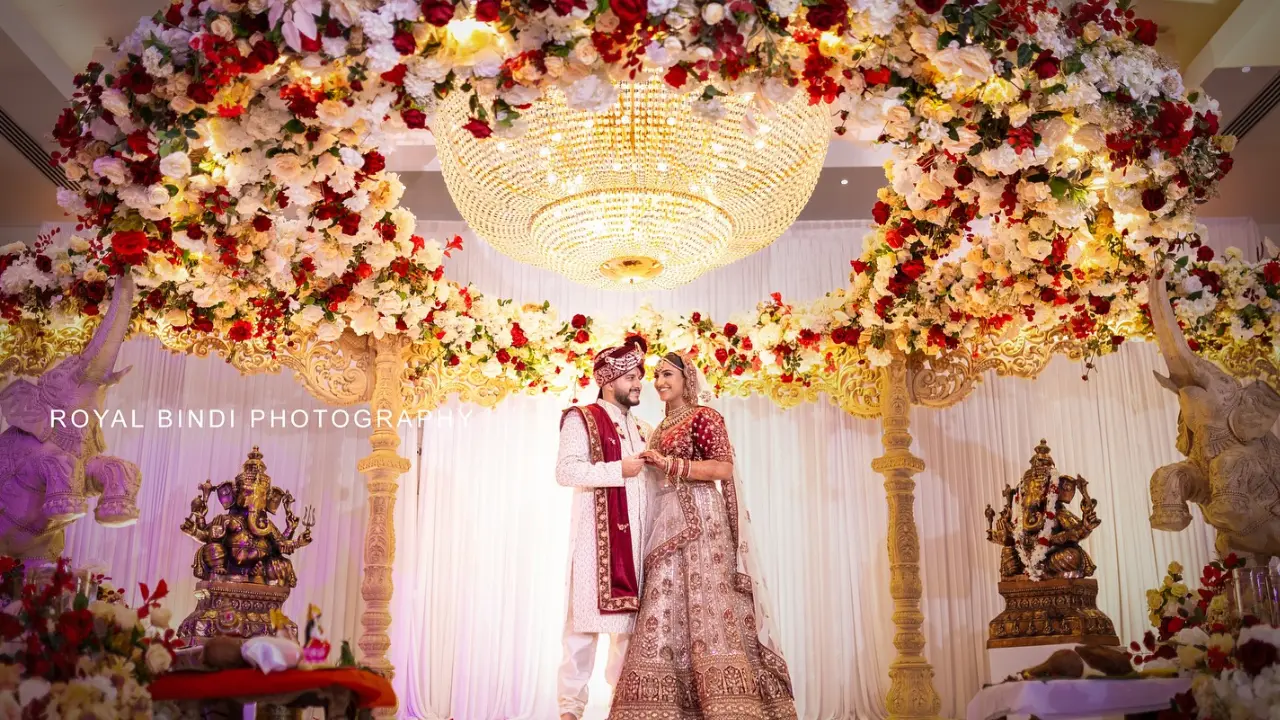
[911,693]
[383,468]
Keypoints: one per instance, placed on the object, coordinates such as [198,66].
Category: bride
[702,646]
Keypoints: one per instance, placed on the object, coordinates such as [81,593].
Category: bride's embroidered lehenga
[702,646]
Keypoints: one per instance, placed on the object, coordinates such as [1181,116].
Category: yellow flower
[1179,590]
[1154,599]
[1175,568]
[1154,619]
[1189,656]
[1218,605]
[1223,642]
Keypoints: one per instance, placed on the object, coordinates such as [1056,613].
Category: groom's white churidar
[598,448]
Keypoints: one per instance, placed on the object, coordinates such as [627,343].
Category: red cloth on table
[371,690]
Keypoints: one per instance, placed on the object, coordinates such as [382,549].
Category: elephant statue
[1232,470]
[48,466]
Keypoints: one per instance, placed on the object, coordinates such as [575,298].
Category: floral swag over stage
[232,159]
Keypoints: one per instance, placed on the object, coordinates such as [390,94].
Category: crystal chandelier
[644,195]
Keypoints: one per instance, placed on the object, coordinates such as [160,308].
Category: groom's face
[626,389]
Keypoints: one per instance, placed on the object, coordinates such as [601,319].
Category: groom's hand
[632,466]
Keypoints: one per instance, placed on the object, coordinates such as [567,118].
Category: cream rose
[159,659]
[222,27]
[115,102]
[712,13]
[110,168]
[970,63]
[175,165]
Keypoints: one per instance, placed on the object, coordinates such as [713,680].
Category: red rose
[394,76]
[374,162]
[676,77]
[893,237]
[1271,272]
[1146,31]
[437,12]
[581,336]
[746,343]
[261,223]
[730,329]
[1176,624]
[479,129]
[504,357]
[240,331]
[879,76]
[913,268]
[202,92]
[1225,164]
[266,51]
[1046,66]
[828,15]
[963,175]
[310,44]
[136,80]
[130,246]
[930,6]
[518,338]
[859,267]
[403,42]
[488,10]
[1204,253]
[880,213]
[339,294]
[1101,306]
[1153,199]
[364,270]
[1048,295]
[1255,655]
[722,355]
[630,12]
[579,321]
[415,119]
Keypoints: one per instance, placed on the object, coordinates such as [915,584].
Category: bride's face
[669,382]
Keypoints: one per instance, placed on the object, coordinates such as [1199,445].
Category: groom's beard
[629,400]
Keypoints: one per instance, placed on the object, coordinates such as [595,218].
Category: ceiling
[43,43]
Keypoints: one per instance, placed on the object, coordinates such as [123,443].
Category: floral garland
[232,158]
[1033,560]
[1234,662]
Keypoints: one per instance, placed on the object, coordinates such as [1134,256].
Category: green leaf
[82,601]
[951,133]
[1181,264]
[1060,187]
[295,126]
[173,190]
[976,149]
[346,658]
[1026,53]
[1193,97]
[193,134]
[1073,65]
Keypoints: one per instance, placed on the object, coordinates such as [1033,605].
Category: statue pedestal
[234,609]
[1041,618]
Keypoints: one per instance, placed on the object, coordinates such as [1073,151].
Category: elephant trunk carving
[49,467]
[1232,470]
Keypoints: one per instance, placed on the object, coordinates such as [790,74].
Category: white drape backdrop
[482,529]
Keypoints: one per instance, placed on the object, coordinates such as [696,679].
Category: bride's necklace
[675,417]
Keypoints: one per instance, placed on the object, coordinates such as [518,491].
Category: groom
[599,448]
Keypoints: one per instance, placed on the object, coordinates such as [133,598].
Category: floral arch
[232,159]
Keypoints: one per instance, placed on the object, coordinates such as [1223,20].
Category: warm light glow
[601,198]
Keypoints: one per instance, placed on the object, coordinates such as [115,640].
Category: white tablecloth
[1067,699]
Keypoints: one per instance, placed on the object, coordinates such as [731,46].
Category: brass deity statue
[242,563]
[1059,553]
[1045,575]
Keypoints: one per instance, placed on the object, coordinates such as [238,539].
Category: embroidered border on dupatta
[604,549]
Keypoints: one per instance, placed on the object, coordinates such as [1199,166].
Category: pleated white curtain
[482,529]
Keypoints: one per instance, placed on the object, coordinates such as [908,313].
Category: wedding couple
[661,558]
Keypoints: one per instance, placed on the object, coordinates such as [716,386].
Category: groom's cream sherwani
[584,621]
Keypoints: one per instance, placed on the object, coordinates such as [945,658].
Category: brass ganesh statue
[1044,541]
[1045,575]
[243,544]
[242,564]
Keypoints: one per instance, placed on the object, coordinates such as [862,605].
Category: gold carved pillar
[911,693]
[383,468]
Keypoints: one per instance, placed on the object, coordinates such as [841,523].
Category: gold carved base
[234,609]
[1050,612]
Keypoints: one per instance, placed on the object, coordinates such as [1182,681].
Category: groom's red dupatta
[616,583]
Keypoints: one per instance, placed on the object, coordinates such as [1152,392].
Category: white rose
[32,689]
[712,13]
[971,63]
[594,93]
[157,195]
[662,7]
[111,168]
[330,331]
[175,165]
[160,617]
[778,91]
[924,39]
[115,102]
[286,167]
[126,618]
[158,658]
[1091,138]
[783,8]
[222,27]
[585,52]
[182,104]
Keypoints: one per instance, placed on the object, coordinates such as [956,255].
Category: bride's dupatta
[749,578]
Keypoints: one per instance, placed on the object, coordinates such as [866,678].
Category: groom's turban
[615,362]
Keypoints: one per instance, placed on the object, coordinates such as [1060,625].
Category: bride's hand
[653,457]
